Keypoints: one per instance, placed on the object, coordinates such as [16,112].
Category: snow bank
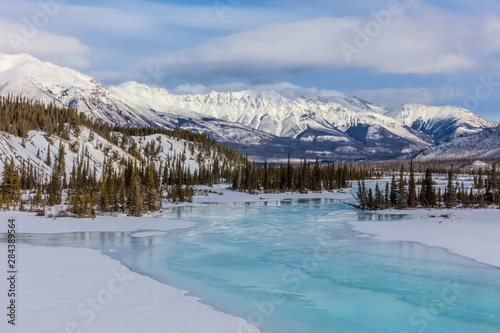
[148,234]
[223,195]
[63,289]
[471,233]
[79,290]
[27,223]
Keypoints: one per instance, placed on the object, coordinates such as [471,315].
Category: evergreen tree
[266,176]
[427,193]
[412,191]
[135,197]
[450,192]
[289,174]
[11,185]
[151,198]
[48,159]
[379,198]
[402,200]
[386,195]
[393,195]
[362,196]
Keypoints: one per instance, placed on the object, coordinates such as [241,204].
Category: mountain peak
[330,127]
[9,61]
[272,95]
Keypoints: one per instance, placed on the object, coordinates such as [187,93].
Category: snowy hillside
[89,146]
[484,144]
[439,122]
[260,124]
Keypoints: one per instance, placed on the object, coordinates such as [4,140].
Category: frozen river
[298,266]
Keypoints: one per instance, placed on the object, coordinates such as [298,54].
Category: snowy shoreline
[55,289]
[471,233]
[95,293]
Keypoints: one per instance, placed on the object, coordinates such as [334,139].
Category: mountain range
[259,124]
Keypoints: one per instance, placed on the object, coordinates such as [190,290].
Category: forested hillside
[59,156]
[53,156]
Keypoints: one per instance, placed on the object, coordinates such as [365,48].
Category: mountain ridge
[334,128]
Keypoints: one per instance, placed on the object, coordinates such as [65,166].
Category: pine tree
[151,200]
[412,192]
[402,200]
[11,185]
[48,159]
[289,174]
[450,196]
[54,189]
[135,197]
[104,193]
[393,195]
[266,176]
[427,193]
[379,198]
[37,198]
[316,177]
[362,196]
[386,195]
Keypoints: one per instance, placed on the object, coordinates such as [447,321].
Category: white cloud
[386,97]
[420,40]
[286,89]
[395,97]
[189,89]
[116,77]
[490,32]
[23,38]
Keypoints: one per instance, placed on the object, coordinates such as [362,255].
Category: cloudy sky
[442,52]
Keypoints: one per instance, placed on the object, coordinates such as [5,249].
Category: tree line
[408,192]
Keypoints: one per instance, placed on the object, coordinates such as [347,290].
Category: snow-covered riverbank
[471,233]
[63,289]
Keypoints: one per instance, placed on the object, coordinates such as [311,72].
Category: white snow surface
[473,234]
[148,234]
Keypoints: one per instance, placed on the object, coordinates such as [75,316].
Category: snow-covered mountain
[261,124]
[481,145]
[439,122]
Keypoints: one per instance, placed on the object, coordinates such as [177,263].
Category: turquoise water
[298,266]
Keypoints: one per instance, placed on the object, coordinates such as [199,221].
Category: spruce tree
[266,176]
[450,192]
[11,185]
[135,197]
[412,191]
[379,198]
[427,194]
[151,198]
[402,200]
[393,195]
[289,174]
[48,159]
